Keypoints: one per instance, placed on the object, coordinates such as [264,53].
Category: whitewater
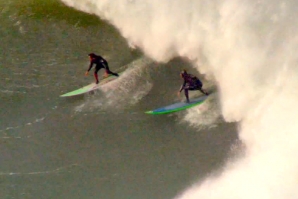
[248,49]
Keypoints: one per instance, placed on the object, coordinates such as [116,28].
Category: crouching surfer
[190,82]
[100,63]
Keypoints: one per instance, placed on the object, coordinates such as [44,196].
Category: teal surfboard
[90,87]
[179,106]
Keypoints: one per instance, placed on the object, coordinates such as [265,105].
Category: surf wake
[249,50]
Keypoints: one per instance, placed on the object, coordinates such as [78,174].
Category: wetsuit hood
[183,73]
[91,55]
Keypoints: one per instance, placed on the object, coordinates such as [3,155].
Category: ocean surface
[241,143]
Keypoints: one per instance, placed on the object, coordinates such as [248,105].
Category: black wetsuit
[191,82]
[100,63]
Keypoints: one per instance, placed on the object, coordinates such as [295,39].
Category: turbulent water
[241,143]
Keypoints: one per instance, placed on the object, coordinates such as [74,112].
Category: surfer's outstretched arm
[181,88]
[90,66]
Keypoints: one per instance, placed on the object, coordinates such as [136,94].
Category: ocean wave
[249,50]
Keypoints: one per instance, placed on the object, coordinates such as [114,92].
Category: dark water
[99,145]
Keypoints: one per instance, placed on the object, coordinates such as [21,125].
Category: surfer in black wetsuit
[100,63]
[190,82]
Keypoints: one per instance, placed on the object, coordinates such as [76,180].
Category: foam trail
[249,48]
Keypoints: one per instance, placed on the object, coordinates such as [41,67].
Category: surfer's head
[183,73]
[91,55]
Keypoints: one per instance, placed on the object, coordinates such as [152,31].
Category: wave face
[249,49]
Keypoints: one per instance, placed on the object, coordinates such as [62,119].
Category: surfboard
[179,106]
[90,87]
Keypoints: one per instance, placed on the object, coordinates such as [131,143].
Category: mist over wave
[249,49]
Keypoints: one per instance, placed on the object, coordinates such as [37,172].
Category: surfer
[100,63]
[190,82]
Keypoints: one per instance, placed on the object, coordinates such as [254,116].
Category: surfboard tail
[149,112]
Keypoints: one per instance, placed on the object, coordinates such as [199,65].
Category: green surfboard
[90,87]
